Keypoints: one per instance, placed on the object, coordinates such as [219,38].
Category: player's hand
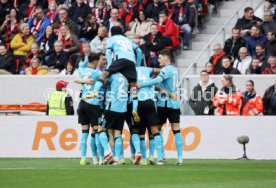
[138,86]
[173,96]
[89,82]
[93,95]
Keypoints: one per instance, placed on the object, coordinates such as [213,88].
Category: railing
[183,81]
[221,31]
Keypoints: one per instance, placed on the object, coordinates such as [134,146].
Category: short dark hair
[93,57]
[225,57]
[236,28]
[247,9]
[2,44]
[261,45]
[203,71]
[167,53]
[251,81]
[116,30]
[256,57]
[163,12]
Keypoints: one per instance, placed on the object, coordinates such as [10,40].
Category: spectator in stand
[228,98]
[255,66]
[252,104]
[5,7]
[86,50]
[65,3]
[269,100]
[227,67]
[269,23]
[58,58]
[78,13]
[272,68]
[243,62]
[98,44]
[70,41]
[114,19]
[141,25]
[52,12]
[7,63]
[201,100]
[255,38]
[64,20]
[247,21]
[130,11]
[47,42]
[168,28]
[10,27]
[271,45]
[26,62]
[99,12]
[269,5]
[216,58]
[154,8]
[209,68]
[261,53]
[21,44]
[69,70]
[27,9]
[36,68]
[90,29]
[38,23]
[184,16]
[152,43]
[233,44]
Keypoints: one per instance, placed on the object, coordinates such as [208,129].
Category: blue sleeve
[30,22]
[83,64]
[108,52]
[154,81]
[139,56]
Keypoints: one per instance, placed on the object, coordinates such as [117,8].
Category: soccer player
[89,110]
[114,115]
[124,61]
[168,107]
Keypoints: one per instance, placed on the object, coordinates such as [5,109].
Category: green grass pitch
[41,173]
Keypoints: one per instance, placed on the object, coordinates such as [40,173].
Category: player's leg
[84,121]
[143,148]
[93,147]
[111,138]
[105,125]
[118,128]
[99,146]
[175,120]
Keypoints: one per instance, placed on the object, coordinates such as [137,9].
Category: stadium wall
[204,137]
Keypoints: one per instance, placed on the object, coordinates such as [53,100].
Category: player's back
[117,94]
[170,75]
[144,75]
[122,47]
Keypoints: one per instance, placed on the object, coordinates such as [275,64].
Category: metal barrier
[261,84]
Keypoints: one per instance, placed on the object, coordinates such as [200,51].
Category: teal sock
[98,86]
[99,147]
[136,142]
[179,144]
[122,152]
[163,152]
[151,147]
[135,105]
[83,145]
[131,147]
[104,142]
[158,145]
[118,147]
[93,146]
[143,148]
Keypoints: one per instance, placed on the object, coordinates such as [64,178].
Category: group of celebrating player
[127,91]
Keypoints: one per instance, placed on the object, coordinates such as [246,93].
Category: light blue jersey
[93,74]
[122,47]
[167,79]
[144,75]
[117,93]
